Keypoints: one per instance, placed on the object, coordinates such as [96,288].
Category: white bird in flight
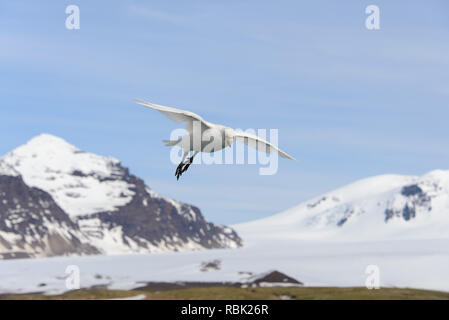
[197,127]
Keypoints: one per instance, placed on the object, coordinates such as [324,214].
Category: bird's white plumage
[176,115]
[260,144]
[227,134]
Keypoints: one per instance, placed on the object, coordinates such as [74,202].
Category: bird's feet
[187,165]
[182,167]
[179,171]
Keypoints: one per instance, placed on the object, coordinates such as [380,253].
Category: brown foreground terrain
[159,292]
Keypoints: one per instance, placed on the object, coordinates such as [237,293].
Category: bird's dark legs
[179,170]
[187,165]
[182,167]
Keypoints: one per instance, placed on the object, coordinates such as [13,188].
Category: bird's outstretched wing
[259,144]
[176,115]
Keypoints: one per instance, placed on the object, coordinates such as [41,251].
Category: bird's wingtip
[141,102]
[287,156]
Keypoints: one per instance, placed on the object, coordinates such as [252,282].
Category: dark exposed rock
[389,214]
[210,265]
[316,203]
[416,198]
[322,200]
[411,190]
[35,222]
[342,221]
[152,219]
[15,255]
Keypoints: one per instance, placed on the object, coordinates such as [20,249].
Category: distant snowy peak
[80,182]
[381,207]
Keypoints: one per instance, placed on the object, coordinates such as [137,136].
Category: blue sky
[348,102]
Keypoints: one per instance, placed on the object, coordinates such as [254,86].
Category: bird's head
[229,136]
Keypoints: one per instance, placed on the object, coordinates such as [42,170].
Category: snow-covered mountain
[32,224]
[111,208]
[378,208]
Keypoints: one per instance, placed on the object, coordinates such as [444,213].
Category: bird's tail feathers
[170,143]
